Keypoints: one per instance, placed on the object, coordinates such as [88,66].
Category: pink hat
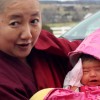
[90,45]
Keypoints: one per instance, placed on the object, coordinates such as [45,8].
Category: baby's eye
[97,69]
[34,22]
[85,71]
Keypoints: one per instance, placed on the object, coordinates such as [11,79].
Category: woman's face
[20,26]
[91,73]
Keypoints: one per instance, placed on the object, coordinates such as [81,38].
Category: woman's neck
[24,60]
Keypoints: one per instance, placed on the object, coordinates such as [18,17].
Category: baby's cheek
[84,80]
[98,75]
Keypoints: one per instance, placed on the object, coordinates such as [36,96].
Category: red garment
[65,94]
[48,67]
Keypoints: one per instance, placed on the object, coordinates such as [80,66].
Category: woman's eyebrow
[15,16]
[36,14]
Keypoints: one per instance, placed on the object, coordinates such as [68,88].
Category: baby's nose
[92,73]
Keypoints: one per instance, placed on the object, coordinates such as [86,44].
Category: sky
[69,0]
[58,0]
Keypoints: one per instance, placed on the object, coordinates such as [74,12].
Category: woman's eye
[35,21]
[14,23]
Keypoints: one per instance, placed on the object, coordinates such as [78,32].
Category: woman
[30,59]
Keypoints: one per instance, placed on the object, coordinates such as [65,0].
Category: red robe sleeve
[51,62]
[47,41]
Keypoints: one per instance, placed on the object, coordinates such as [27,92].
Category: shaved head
[5,3]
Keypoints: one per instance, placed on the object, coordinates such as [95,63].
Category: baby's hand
[73,88]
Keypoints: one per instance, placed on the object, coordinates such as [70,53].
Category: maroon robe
[48,66]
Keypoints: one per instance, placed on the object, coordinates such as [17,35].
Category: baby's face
[91,73]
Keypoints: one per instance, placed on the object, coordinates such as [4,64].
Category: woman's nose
[26,33]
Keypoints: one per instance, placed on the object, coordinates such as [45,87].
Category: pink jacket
[87,93]
[90,45]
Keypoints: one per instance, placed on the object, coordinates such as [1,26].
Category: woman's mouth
[24,45]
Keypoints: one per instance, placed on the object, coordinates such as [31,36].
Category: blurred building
[59,11]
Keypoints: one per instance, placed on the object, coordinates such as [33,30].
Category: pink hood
[90,45]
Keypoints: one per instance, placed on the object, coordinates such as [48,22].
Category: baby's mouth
[93,81]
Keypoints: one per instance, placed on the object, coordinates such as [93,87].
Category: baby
[86,72]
